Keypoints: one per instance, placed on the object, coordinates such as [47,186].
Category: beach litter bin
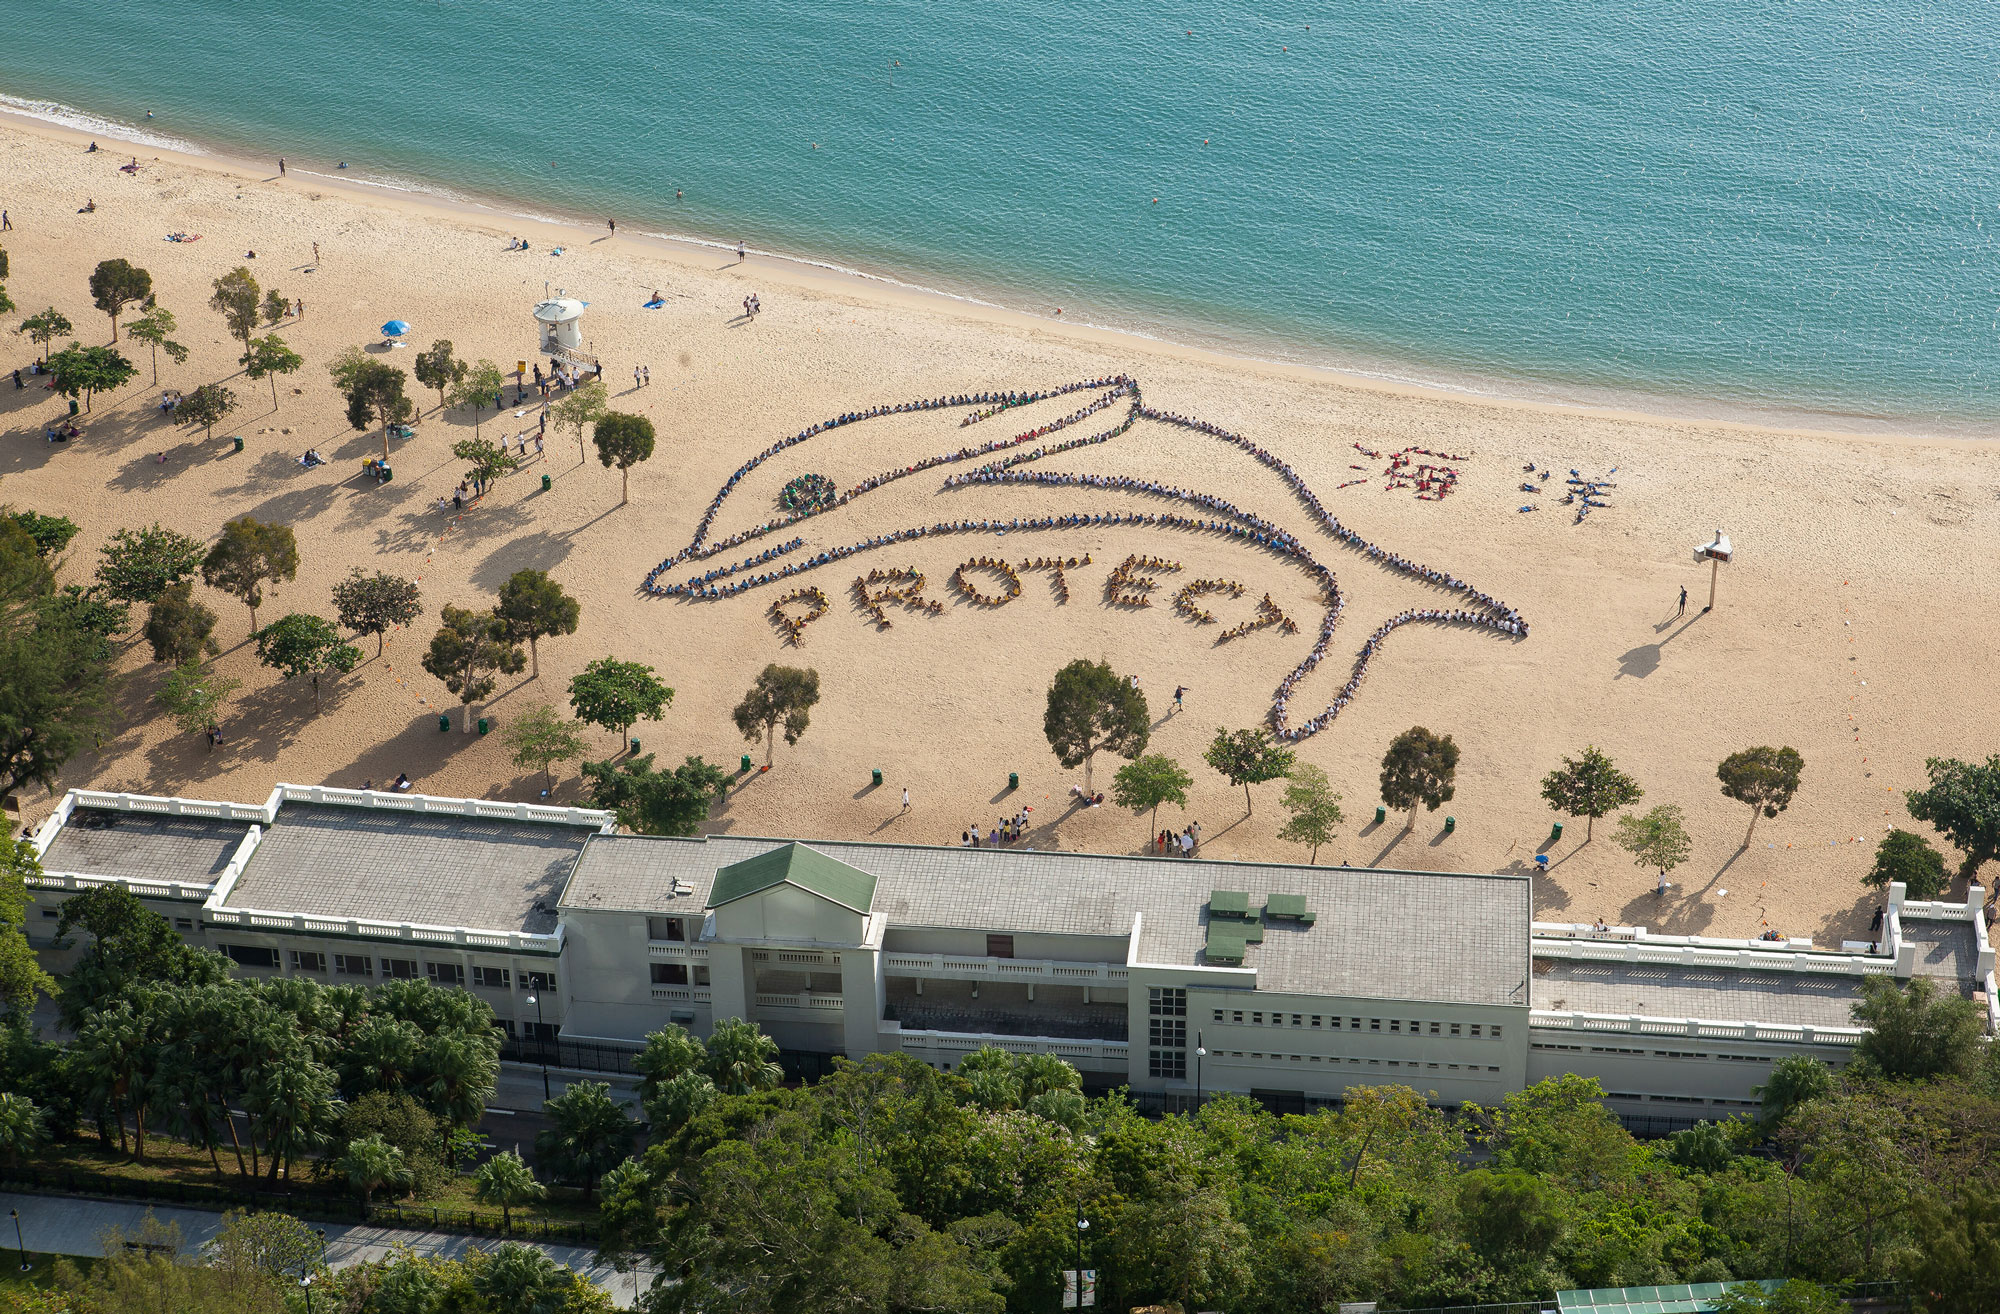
[1555,832]
[238,441]
[635,747]
[1381,816]
[1450,825]
[1013,780]
[744,769]
[72,406]
[444,721]
[483,727]
[875,776]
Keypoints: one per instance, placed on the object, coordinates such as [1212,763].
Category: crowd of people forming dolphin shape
[1221,517]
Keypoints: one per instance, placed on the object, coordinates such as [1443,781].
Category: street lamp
[1199,1054]
[541,1043]
[1082,1226]
[19,1245]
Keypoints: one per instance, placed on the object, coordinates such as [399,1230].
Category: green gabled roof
[794,864]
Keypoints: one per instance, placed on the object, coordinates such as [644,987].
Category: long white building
[1176,978]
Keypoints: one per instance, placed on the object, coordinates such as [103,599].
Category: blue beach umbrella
[395,328]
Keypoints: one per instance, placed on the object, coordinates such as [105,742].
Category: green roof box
[794,864]
[1225,943]
[1228,903]
[1288,908]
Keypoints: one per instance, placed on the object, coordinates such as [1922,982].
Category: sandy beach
[1857,623]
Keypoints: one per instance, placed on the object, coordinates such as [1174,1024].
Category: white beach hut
[561,321]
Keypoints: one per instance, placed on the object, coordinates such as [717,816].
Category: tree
[587,1136]
[84,372]
[1963,802]
[375,395]
[276,307]
[21,1129]
[375,604]
[1313,807]
[656,802]
[1915,1030]
[1764,777]
[506,1181]
[1794,1296]
[249,555]
[1795,1080]
[155,328]
[541,737]
[523,1280]
[142,564]
[237,298]
[1656,839]
[1909,858]
[22,980]
[1091,708]
[1248,757]
[670,1052]
[615,695]
[51,534]
[1959,1263]
[535,607]
[438,368]
[478,387]
[488,460]
[194,696]
[581,408]
[207,406]
[624,441]
[780,694]
[45,327]
[1419,768]
[1148,781]
[741,1059]
[371,1163]
[468,651]
[116,284]
[56,689]
[180,629]
[302,644]
[1509,1215]
[268,357]
[1589,787]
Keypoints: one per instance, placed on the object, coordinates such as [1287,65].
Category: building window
[1167,1064]
[493,978]
[1454,1028]
[1475,1028]
[1316,1018]
[1169,1032]
[184,923]
[1164,1001]
[1236,1015]
[1495,1032]
[1374,1024]
[1434,1028]
[1166,1032]
[999,946]
[537,981]
[1395,1025]
[353,965]
[308,960]
[51,914]
[445,974]
[541,1032]
[399,969]
[670,974]
[664,928]
[1257,1019]
[251,956]
[1218,1015]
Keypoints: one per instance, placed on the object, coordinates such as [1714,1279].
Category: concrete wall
[786,912]
[1668,1076]
[972,944]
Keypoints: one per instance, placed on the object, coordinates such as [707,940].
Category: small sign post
[1070,1286]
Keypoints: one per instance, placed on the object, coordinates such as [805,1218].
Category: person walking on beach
[315,253]
[906,799]
[613,225]
[1684,602]
[636,377]
[739,251]
[281,166]
[5,222]
[1179,689]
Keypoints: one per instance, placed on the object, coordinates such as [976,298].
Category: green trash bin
[1381,815]
[744,769]
[238,440]
[482,725]
[875,776]
[1013,780]
[635,748]
[1556,832]
[73,408]
[546,484]
[1450,825]
[444,721]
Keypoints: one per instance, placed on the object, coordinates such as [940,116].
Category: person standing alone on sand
[613,225]
[1684,602]
[1179,689]
[906,800]
[315,254]
[281,166]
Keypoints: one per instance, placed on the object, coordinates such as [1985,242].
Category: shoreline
[1519,394]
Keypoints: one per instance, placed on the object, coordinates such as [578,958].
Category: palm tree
[587,1136]
[370,1164]
[381,1056]
[292,1101]
[521,1278]
[120,1050]
[506,1181]
[460,1072]
[742,1059]
[21,1129]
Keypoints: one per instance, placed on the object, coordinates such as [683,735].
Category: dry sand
[1857,624]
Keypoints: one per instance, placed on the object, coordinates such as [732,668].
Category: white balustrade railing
[1699,1028]
[669,994]
[443,806]
[256,919]
[958,967]
[950,1046]
[677,951]
[805,1001]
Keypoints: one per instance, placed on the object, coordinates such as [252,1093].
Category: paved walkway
[65,1225]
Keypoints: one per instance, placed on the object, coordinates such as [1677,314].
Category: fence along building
[1178,978]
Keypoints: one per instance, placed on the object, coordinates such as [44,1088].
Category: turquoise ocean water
[1766,209]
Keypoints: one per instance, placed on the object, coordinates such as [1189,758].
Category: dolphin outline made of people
[777,552]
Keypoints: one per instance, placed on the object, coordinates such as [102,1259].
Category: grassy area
[176,1173]
[41,1269]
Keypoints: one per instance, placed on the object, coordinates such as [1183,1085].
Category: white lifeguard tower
[561,322]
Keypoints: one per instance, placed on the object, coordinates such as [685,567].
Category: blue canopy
[395,328]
